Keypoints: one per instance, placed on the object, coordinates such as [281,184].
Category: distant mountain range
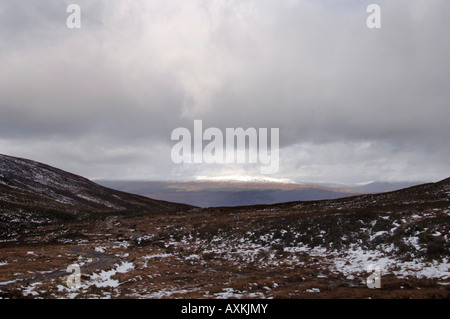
[27,183]
[375,187]
[215,193]
[239,191]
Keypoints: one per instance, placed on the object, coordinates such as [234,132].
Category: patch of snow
[413,241]
[313,290]
[4,283]
[100,249]
[228,293]
[104,278]
[158,256]
[356,261]
[425,269]
[436,234]
[30,289]
[379,233]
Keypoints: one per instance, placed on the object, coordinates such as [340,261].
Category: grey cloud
[137,70]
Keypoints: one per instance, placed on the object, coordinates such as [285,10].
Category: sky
[352,104]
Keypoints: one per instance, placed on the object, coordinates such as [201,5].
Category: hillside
[300,249]
[38,193]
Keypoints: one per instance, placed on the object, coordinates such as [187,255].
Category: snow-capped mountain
[244,178]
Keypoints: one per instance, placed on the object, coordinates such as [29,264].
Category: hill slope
[313,249]
[32,191]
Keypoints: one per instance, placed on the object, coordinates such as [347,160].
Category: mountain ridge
[24,182]
[219,192]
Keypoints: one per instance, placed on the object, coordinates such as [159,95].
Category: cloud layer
[352,104]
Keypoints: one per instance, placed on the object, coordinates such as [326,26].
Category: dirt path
[103,261]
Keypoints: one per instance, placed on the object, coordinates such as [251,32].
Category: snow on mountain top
[244,178]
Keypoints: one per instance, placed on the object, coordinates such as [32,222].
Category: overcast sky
[353,104]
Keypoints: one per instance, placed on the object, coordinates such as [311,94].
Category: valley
[313,249]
